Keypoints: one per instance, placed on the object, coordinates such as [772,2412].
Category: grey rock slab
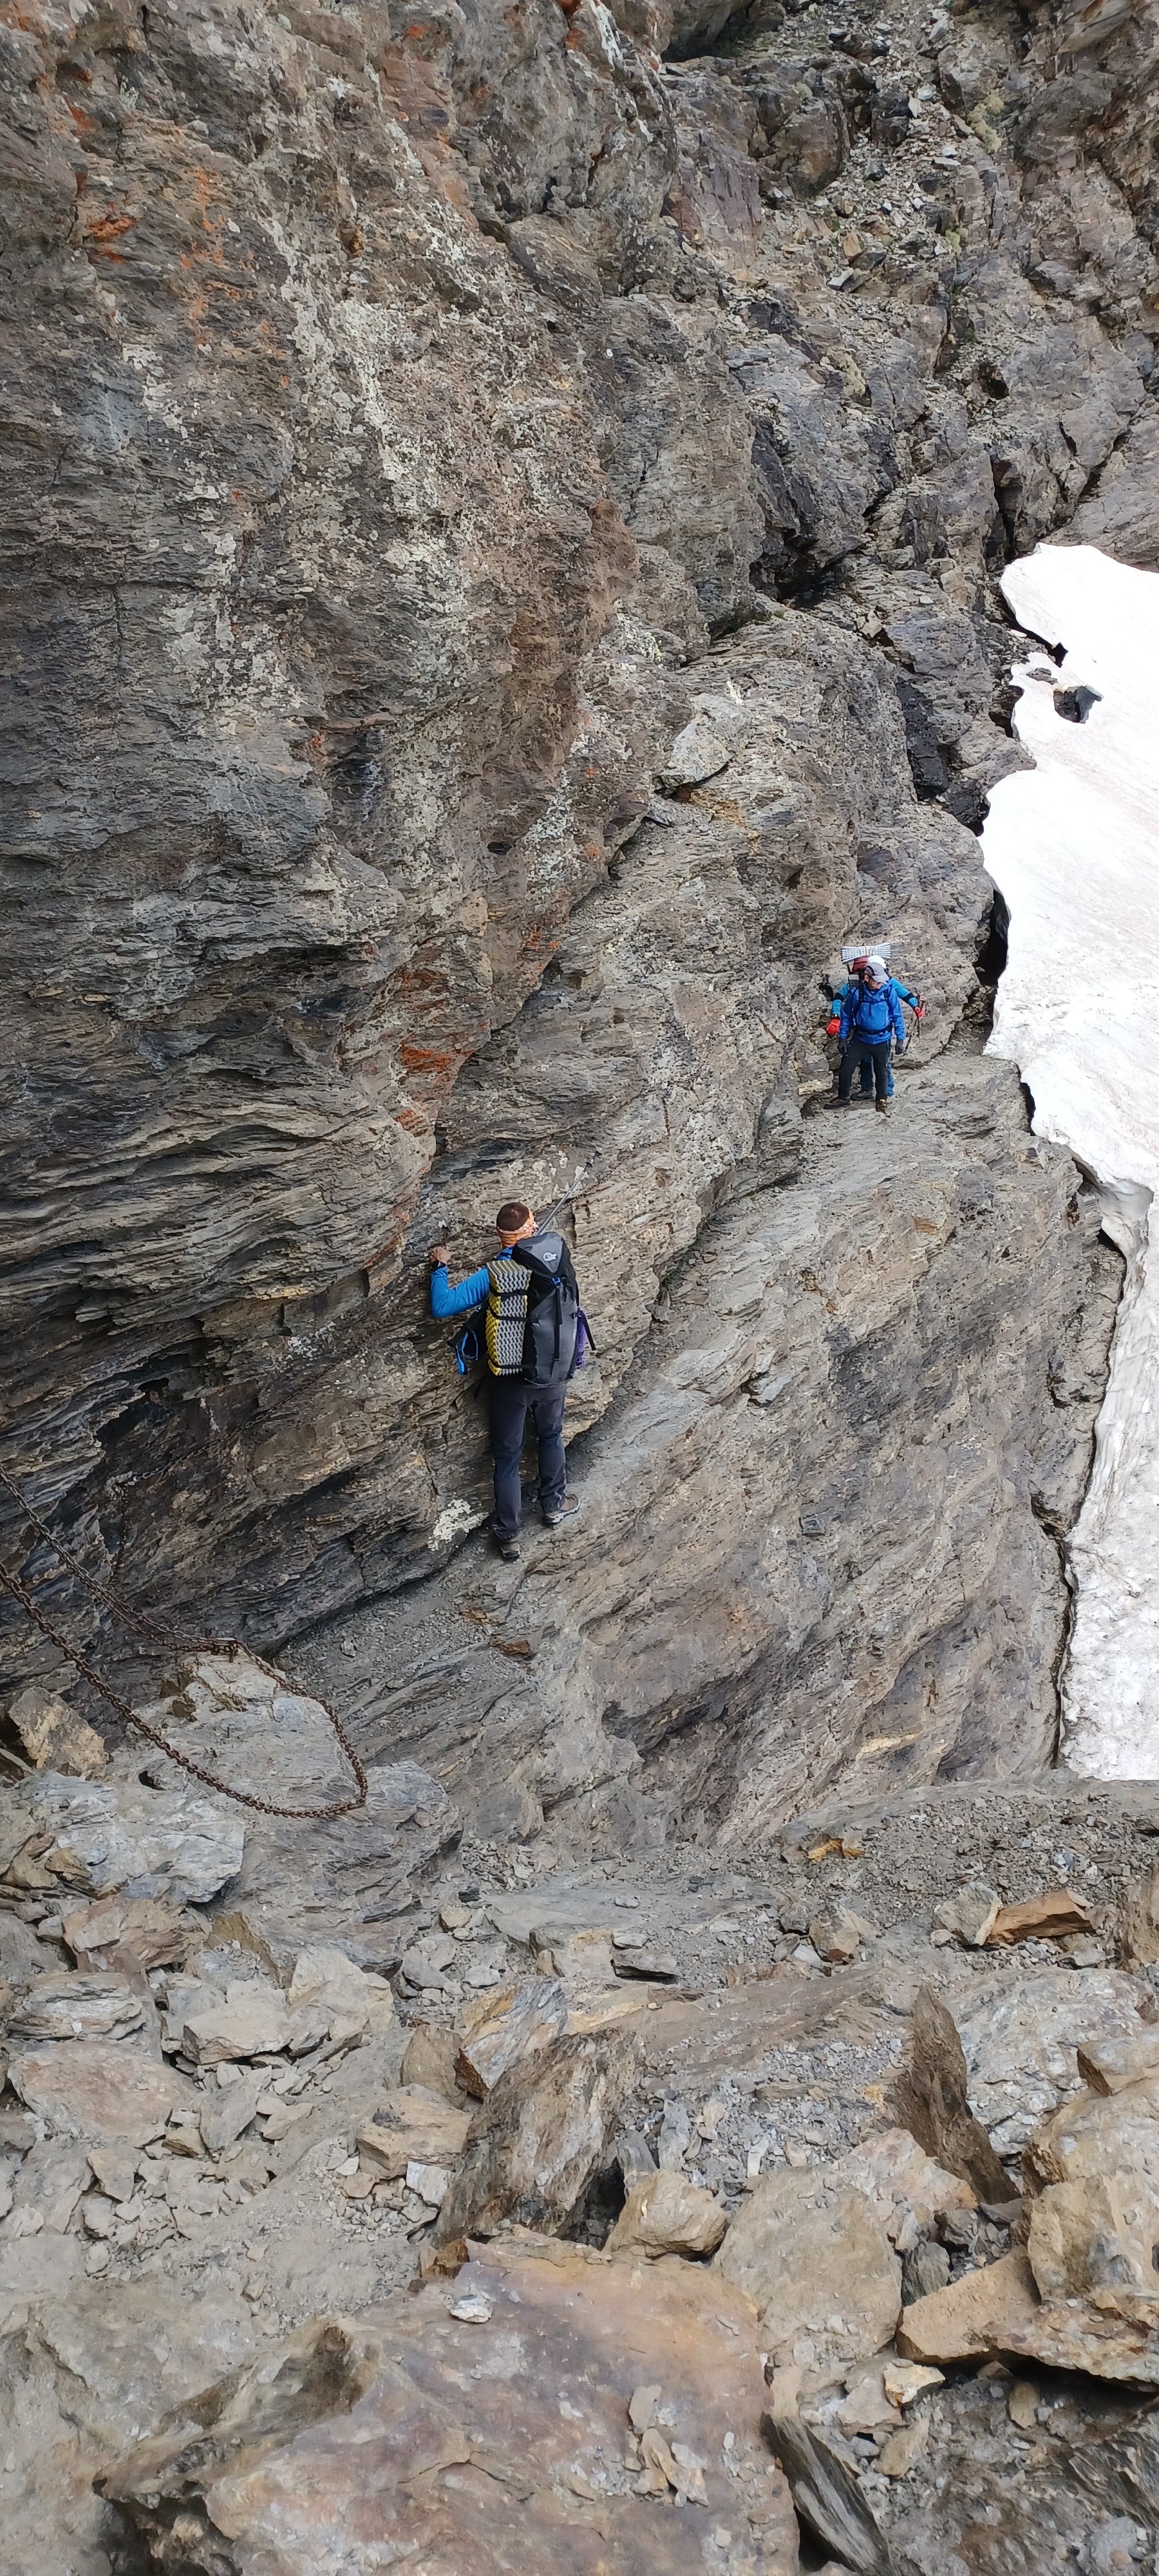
[1021,2037]
[224,2119]
[698,753]
[33,2268]
[825,2495]
[931,2097]
[114,1836]
[96,2005]
[115,2171]
[101,2089]
[1121,515]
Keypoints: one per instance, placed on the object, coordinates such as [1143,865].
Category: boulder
[1040,1918]
[1095,2133]
[252,2021]
[1070,2335]
[902,2450]
[898,2177]
[483,2424]
[583,1958]
[135,1932]
[1110,2065]
[903,2381]
[974,2318]
[837,1935]
[1093,2234]
[665,2214]
[330,1992]
[100,2089]
[925,2268]
[818,2265]
[413,2126]
[54,1737]
[545,2131]
[969,1915]
[1094,2173]
[428,2060]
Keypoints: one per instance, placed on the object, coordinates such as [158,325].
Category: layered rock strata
[402,421]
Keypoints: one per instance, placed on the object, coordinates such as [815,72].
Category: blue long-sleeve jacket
[446,1301]
[875,1016]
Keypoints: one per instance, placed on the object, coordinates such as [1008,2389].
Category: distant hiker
[533,1334]
[870,1019]
[913,1002]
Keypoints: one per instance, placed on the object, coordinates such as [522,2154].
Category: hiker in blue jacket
[913,1002]
[515,1393]
[870,1019]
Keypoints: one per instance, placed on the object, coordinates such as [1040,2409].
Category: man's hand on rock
[437,1256]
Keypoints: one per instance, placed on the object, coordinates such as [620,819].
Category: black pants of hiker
[865,1051]
[511,1402]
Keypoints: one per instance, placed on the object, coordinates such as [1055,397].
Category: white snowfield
[1074,847]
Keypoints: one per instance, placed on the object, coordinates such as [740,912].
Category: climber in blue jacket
[913,1002]
[870,1019]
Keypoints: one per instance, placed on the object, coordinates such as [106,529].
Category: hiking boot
[566,1512]
[508,1547]
[882,1108]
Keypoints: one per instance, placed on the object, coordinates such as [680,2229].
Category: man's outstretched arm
[447,1301]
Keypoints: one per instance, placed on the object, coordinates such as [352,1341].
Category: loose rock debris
[861,2176]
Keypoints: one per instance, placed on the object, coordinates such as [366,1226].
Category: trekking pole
[570,1196]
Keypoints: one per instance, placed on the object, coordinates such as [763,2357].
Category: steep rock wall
[396,412]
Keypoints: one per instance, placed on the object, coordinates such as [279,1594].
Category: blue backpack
[872,1013]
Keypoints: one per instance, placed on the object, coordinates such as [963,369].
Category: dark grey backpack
[553,1311]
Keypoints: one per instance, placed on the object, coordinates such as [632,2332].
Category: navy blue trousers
[859,1052]
[511,1402]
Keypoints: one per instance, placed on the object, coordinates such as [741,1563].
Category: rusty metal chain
[144,1627]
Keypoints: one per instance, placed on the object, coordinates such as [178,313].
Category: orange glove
[833,1026]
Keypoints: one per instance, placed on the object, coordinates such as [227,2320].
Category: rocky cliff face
[501,513]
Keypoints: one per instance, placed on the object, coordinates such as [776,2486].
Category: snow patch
[1074,847]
